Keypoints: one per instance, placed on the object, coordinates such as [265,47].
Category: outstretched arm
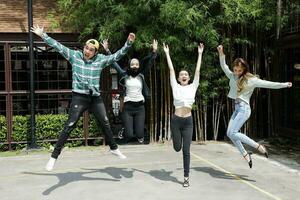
[197,71]
[223,64]
[271,85]
[110,59]
[115,64]
[64,51]
[148,61]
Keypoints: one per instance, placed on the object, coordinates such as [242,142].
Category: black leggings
[81,103]
[182,134]
[133,118]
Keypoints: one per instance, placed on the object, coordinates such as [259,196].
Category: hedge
[48,127]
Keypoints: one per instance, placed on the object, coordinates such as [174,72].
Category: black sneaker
[141,140]
[121,133]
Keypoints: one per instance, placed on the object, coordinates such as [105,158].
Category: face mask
[133,72]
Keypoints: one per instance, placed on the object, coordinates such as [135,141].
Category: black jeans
[182,135]
[81,103]
[134,119]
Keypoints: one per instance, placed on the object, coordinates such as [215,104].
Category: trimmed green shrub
[3,128]
[48,128]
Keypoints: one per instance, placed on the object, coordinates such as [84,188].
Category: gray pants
[182,134]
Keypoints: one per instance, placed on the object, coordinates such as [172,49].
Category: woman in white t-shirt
[136,92]
[184,97]
[242,84]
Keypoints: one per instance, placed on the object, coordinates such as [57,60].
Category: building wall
[53,79]
[14,17]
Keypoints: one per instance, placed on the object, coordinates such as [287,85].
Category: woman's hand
[154,45]
[166,48]
[200,48]
[104,44]
[220,50]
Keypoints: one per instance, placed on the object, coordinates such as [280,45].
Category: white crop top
[184,96]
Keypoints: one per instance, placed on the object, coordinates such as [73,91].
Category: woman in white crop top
[242,83]
[184,97]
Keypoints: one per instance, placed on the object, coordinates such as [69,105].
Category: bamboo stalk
[170,105]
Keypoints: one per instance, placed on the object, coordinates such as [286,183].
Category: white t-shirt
[184,96]
[134,87]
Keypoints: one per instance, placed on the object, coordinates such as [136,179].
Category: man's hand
[131,37]
[37,30]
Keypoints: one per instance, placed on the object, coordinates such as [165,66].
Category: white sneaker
[50,164]
[118,153]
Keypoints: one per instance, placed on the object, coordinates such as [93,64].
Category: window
[2,105]
[52,72]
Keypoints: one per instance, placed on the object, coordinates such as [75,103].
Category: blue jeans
[240,115]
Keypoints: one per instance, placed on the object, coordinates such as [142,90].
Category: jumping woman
[242,83]
[136,92]
[184,97]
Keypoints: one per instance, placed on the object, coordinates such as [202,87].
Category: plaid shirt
[86,73]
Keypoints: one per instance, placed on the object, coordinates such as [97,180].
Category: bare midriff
[183,112]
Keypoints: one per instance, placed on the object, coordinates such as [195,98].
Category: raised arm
[169,61]
[199,60]
[115,64]
[170,65]
[110,59]
[269,84]
[148,61]
[223,64]
[64,51]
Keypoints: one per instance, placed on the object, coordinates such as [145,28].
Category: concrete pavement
[151,172]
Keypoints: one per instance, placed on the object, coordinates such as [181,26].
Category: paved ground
[151,172]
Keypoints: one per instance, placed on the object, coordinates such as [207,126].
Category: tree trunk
[205,121]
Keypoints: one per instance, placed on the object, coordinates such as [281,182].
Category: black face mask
[132,72]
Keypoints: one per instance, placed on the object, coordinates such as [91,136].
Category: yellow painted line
[236,177]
